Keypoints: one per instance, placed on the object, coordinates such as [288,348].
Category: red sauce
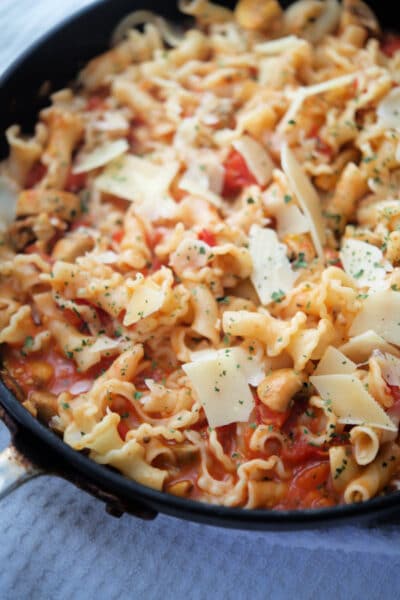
[207,237]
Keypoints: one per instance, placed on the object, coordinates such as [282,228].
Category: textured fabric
[58,543]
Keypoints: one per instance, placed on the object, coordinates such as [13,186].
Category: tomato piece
[237,175]
[301,451]
[118,235]
[36,174]
[390,44]
[227,437]
[312,476]
[75,182]
[267,416]
[95,103]
[207,237]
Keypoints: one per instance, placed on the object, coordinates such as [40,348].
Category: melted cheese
[140,181]
[256,158]
[380,312]
[360,347]
[221,385]
[306,196]
[272,273]
[350,401]
[334,362]
[363,262]
[100,156]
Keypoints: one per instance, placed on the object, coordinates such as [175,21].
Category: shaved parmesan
[204,181]
[141,181]
[390,367]
[334,362]
[278,46]
[380,312]
[360,347]
[272,273]
[8,202]
[251,366]
[388,110]
[256,158]
[106,258]
[364,263]
[291,220]
[147,298]
[351,402]
[104,343]
[221,385]
[100,156]
[306,196]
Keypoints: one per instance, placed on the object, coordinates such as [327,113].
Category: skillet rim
[128,490]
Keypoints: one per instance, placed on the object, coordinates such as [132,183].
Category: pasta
[200,254]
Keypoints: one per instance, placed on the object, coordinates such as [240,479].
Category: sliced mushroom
[62,204]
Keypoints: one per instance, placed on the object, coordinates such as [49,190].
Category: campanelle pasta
[200,252]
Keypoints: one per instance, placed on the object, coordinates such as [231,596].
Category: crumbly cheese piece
[8,201]
[147,297]
[364,263]
[272,274]
[334,362]
[100,156]
[388,110]
[257,159]
[278,46]
[306,196]
[141,181]
[221,385]
[350,401]
[360,347]
[380,312]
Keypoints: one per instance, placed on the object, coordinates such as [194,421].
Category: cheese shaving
[278,46]
[100,156]
[256,158]
[141,181]
[360,347]
[272,274]
[251,366]
[388,110]
[306,196]
[334,362]
[8,201]
[380,312]
[291,220]
[221,385]
[350,401]
[147,297]
[202,180]
[364,263]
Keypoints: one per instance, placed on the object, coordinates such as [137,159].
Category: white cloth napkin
[56,542]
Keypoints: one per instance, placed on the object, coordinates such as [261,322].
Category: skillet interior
[57,58]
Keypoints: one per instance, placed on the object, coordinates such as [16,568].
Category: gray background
[58,543]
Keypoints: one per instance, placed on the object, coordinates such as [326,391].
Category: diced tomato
[95,103]
[207,237]
[301,451]
[237,174]
[308,489]
[118,235]
[390,44]
[271,417]
[75,182]
[311,476]
[36,174]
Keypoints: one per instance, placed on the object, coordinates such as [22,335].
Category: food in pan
[200,250]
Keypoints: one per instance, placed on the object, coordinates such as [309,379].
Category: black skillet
[36,449]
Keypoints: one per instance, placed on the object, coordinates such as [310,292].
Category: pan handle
[15,470]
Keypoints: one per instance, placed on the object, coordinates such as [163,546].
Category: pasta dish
[200,255]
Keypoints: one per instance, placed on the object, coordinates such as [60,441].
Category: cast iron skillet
[57,58]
